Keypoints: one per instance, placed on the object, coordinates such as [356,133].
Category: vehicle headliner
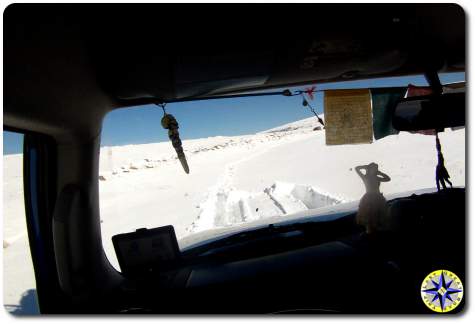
[66,66]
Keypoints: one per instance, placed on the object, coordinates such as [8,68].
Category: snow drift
[226,206]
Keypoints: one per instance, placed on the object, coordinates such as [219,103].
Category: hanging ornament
[169,122]
[441,174]
[305,103]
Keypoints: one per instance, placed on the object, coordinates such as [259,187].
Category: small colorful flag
[310,91]
[416,91]
[384,101]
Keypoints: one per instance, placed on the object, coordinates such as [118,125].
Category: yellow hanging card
[348,118]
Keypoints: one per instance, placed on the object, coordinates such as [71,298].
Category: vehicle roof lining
[66,66]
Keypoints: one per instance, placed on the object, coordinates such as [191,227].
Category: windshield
[252,160]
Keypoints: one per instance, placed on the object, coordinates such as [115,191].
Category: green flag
[384,101]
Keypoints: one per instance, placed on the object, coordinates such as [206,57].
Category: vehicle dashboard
[314,266]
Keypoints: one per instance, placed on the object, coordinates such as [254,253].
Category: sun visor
[223,73]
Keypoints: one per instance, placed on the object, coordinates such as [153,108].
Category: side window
[19,287]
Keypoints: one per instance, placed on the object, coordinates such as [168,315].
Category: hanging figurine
[373,211]
[169,122]
[441,173]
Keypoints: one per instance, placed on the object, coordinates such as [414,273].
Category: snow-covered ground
[232,181]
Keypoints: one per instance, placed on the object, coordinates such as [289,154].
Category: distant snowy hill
[307,124]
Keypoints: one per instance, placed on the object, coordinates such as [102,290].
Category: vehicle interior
[67,66]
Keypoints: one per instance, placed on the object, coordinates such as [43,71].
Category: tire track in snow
[226,206]
[215,210]
[275,201]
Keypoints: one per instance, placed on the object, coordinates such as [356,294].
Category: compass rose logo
[442,291]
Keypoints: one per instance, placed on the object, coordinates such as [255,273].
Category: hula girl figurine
[373,211]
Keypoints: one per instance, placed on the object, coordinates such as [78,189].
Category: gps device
[146,250]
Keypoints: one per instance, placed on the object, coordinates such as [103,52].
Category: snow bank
[227,206]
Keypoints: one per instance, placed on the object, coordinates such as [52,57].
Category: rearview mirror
[430,112]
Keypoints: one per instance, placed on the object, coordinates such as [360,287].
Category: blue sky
[237,116]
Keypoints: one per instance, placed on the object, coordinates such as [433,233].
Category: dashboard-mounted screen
[146,250]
